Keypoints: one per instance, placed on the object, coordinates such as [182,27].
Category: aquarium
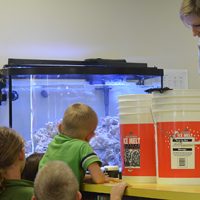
[35,93]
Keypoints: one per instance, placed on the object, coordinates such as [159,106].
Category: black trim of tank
[89,66]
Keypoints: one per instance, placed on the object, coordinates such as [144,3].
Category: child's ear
[22,154]
[60,128]
[89,137]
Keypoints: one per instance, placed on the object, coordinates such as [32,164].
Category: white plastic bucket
[135,97]
[134,109]
[137,139]
[138,103]
[177,126]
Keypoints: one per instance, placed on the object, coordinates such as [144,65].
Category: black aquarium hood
[87,66]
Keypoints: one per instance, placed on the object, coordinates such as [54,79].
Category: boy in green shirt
[71,145]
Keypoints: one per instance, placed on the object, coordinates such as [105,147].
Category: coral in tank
[106,142]
[41,138]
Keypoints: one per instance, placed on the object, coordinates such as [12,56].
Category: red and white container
[137,138]
[176,115]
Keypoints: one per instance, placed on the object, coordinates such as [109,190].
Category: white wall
[136,30]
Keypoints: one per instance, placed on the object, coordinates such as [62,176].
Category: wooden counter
[155,191]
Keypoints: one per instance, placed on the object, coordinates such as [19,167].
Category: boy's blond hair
[55,181]
[78,121]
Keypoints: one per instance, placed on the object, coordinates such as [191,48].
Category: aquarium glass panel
[42,99]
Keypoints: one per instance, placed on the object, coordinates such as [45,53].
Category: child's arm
[96,174]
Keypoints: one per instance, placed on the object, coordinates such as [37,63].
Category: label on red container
[131,151]
[178,156]
[182,152]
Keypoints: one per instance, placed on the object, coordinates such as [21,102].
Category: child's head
[56,181]
[11,152]
[79,121]
[31,166]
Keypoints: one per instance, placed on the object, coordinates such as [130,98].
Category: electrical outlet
[175,78]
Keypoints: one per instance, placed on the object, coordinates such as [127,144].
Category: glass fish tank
[35,93]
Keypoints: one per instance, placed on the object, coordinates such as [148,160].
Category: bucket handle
[153,117]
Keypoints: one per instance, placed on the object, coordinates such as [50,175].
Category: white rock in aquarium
[42,137]
[106,142]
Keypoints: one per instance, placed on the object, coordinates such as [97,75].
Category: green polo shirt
[76,153]
[17,190]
